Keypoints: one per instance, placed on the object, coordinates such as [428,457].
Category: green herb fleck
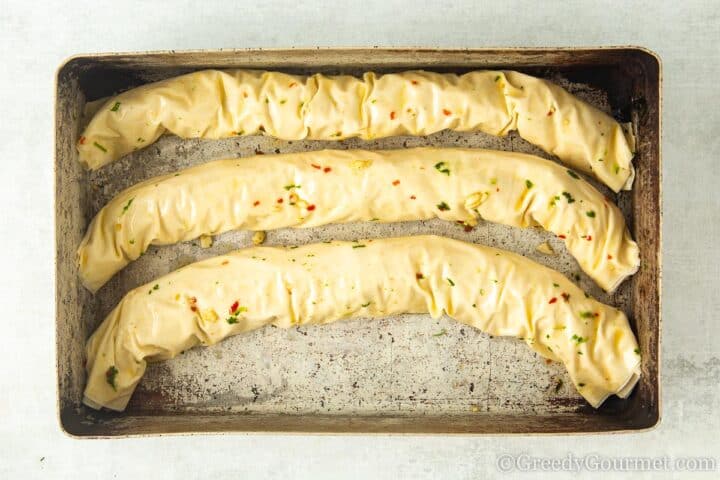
[590,213]
[110,376]
[452,284]
[493,181]
[482,291]
[291,186]
[497,79]
[586,314]
[442,168]
[581,384]
[558,385]
[100,147]
[529,184]
[617,169]
[132,241]
[359,246]
[442,206]
[115,107]
[440,333]
[573,174]
[569,197]
[637,351]
[556,285]
[365,304]
[282,102]
[156,287]
[579,339]
[233,318]
[127,205]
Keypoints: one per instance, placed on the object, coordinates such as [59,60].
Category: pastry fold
[498,292]
[332,186]
[217,104]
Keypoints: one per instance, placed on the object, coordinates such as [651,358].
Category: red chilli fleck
[553,300]
[419,276]
[292,84]
[316,166]
[82,140]
[396,183]
[414,82]
[193,303]
[280,200]
[566,296]
[447,112]
[588,238]
[311,208]
[245,95]
[234,307]
[562,236]
[550,112]
[413,197]
[468,228]
[257,202]
[327,169]
[610,257]
[225,262]
[392,115]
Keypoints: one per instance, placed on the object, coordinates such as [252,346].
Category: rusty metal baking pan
[385,376]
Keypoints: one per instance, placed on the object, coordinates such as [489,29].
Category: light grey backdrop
[34,39]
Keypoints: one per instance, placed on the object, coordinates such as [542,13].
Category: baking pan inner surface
[403,365]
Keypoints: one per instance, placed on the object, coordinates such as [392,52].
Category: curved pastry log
[331,186]
[217,104]
[498,292]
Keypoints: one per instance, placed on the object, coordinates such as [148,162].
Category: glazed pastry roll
[498,292]
[317,188]
[218,104]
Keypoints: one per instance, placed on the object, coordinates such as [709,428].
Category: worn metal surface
[386,375]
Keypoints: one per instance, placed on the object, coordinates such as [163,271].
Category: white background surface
[35,39]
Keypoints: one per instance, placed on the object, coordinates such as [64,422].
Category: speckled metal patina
[394,375]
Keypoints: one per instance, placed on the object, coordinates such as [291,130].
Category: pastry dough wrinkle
[332,186]
[218,104]
[498,292]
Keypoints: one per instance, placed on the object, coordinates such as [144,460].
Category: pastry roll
[498,292]
[317,188]
[219,104]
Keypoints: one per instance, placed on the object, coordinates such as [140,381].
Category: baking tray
[384,376]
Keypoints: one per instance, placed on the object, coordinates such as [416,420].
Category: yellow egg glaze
[332,186]
[498,292]
[219,104]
